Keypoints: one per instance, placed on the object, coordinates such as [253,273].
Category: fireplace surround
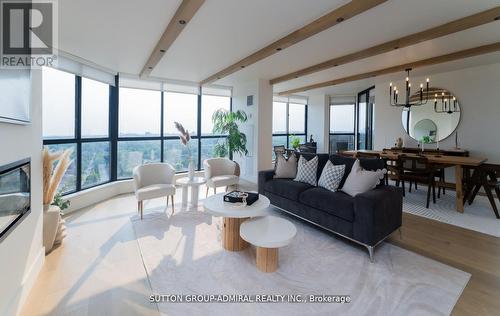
[15,195]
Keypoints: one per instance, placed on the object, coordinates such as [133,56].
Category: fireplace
[15,195]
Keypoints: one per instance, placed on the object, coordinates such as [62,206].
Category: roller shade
[130,81]
[81,68]
[342,99]
[221,91]
[181,87]
[291,99]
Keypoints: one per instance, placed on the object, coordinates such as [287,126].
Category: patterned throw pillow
[306,170]
[331,176]
[285,169]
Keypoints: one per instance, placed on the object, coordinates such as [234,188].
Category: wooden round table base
[231,239]
[267,259]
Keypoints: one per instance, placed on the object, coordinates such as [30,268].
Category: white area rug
[183,255]
[478,217]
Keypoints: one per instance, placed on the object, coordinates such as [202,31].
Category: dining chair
[417,169]
[488,177]
[153,181]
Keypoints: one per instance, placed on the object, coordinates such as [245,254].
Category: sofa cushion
[307,171]
[286,188]
[322,159]
[335,203]
[371,164]
[361,180]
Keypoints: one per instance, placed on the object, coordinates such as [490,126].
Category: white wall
[478,91]
[318,121]
[258,128]
[21,252]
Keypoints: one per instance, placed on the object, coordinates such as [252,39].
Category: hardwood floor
[470,251]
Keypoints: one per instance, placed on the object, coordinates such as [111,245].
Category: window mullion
[78,128]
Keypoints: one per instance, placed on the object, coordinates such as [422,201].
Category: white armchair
[153,181]
[221,172]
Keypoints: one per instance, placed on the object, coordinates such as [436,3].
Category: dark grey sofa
[366,219]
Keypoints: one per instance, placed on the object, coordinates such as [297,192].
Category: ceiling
[120,35]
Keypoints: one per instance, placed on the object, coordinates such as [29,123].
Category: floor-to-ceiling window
[112,129]
[351,121]
[289,120]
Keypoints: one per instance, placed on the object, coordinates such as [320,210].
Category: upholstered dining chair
[417,169]
[151,181]
[221,172]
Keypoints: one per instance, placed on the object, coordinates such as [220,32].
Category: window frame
[78,140]
[113,137]
[356,131]
[287,132]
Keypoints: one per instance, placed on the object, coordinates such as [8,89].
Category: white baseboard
[21,293]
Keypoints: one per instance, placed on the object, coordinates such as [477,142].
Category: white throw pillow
[331,176]
[285,169]
[306,170]
[360,180]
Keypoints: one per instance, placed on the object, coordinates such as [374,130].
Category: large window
[351,124]
[289,120]
[76,116]
[111,130]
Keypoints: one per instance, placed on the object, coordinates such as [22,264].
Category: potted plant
[185,137]
[53,203]
[295,142]
[226,122]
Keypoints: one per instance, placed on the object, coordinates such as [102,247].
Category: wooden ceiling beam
[181,18]
[485,49]
[328,20]
[432,33]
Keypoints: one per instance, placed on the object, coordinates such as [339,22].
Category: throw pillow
[331,176]
[360,180]
[285,169]
[306,170]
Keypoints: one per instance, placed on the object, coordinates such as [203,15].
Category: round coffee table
[195,183]
[233,215]
[268,234]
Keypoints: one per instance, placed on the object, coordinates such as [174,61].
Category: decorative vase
[191,169]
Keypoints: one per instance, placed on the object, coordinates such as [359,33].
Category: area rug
[478,216]
[183,255]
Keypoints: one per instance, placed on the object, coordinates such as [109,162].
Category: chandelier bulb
[427,79]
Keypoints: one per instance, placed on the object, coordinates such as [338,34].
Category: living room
[194,157]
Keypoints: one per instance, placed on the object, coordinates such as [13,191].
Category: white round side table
[233,216]
[195,184]
[268,233]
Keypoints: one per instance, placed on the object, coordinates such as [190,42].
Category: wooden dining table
[459,162]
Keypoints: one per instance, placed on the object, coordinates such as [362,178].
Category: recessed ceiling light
[162,50]
[335,65]
[150,67]
[497,18]
[182,22]
[296,76]
[278,49]
[340,19]
[242,66]
[396,47]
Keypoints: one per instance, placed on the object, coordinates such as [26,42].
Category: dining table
[459,162]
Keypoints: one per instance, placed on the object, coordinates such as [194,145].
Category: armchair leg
[172,204]
[138,207]
[142,208]
[167,205]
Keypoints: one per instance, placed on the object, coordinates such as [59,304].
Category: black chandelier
[448,103]
[408,103]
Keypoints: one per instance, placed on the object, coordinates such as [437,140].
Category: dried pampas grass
[53,177]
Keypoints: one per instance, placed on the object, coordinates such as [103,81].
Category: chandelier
[420,100]
[448,103]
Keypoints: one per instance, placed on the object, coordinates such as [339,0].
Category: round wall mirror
[435,120]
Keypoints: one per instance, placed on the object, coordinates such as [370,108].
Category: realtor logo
[28,32]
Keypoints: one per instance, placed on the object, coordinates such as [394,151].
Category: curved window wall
[112,129]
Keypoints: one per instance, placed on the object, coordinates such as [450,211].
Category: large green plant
[226,122]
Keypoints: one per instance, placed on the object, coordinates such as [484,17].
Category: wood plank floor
[470,251]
